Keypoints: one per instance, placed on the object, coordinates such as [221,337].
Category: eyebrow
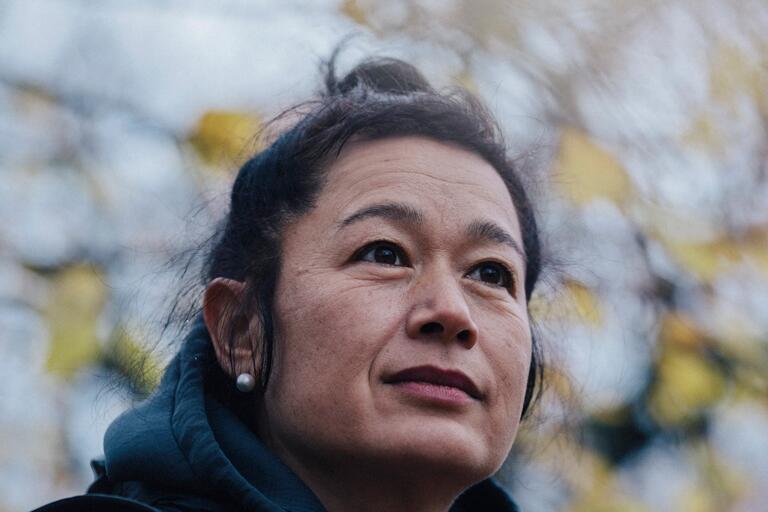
[399,212]
[480,230]
[490,231]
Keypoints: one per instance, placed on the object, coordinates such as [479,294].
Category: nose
[440,311]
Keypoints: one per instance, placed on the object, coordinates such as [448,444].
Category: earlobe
[234,334]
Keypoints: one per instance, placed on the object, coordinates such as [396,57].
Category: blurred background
[642,126]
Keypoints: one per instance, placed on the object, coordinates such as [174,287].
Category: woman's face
[402,328]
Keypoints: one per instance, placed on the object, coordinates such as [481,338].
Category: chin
[448,448]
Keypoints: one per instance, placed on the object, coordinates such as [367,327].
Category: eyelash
[396,250]
[507,276]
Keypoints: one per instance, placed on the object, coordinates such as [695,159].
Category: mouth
[434,376]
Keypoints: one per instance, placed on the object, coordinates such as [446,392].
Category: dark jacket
[189,447]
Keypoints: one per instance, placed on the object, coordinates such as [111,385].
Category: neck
[345,482]
[352,487]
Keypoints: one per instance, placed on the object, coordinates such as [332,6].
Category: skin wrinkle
[414,170]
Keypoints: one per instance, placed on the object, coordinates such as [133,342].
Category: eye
[384,253]
[494,274]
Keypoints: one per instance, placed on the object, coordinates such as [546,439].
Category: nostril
[464,335]
[431,328]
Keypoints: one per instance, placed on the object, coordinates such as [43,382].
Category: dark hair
[379,98]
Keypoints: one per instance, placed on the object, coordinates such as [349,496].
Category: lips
[438,377]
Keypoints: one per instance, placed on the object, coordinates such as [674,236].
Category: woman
[364,342]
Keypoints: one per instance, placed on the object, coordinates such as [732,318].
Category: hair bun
[382,75]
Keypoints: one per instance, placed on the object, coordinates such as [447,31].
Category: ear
[234,332]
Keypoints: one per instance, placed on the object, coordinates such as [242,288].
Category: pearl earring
[245,382]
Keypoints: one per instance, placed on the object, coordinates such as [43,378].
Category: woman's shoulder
[96,502]
[133,496]
[108,502]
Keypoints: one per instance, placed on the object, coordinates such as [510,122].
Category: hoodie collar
[183,438]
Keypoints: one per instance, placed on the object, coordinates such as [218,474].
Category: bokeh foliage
[644,126]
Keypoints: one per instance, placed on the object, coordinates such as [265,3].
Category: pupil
[490,274]
[385,255]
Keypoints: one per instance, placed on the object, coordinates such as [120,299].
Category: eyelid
[382,241]
[506,268]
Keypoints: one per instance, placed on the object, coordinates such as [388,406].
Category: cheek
[510,361]
[328,339]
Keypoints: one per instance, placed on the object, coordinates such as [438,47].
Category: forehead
[432,176]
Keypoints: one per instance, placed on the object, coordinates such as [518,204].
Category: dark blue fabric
[185,439]
[95,502]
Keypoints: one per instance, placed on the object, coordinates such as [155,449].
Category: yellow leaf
[132,360]
[352,9]
[720,482]
[491,24]
[600,491]
[465,79]
[750,382]
[575,302]
[585,302]
[606,502]
[539,306]
[586,172]
[686,384]
[614,416]
[669,224]
[697,499]
[734,74]
[754,247]
[34,103]
[706,260]
[679,329]
[221,138]
[76,300]
[703,260]
[705,133]
[559,383]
